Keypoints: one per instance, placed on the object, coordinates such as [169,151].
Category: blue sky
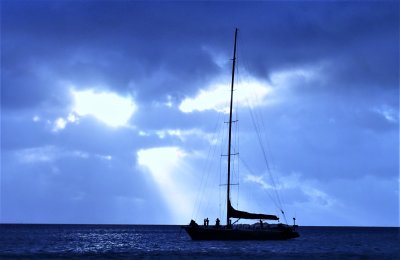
[110,110]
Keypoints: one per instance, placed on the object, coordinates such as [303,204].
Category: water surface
[76,241]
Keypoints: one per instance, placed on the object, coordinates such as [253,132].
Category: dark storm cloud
[98,43]
[157,48]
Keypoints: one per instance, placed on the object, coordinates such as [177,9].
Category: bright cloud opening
[59,124]
[247,93]
[107,107]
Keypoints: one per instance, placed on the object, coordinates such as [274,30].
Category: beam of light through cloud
[251,92]
[107,107]
[169,171]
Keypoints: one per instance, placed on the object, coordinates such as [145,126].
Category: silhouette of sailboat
[259,231]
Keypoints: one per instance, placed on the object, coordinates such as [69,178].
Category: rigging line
[238,160]
[268,193]
[220,181]
[210,170]
[258,120]
[206,169]
[284,216]
[236,146]
[275,180]
[221,138]
[204,178]
[259,138]
[238,184]
[276,201]
[242,48]
[199,190]
[257,126]
[235,137]
[217,137]
[261,129]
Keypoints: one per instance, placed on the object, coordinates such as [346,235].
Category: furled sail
[233,213]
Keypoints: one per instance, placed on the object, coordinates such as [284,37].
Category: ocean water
[153,241]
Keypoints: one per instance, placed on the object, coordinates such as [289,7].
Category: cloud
[183,135]
[310,199]
[109,108]
[216,97]
[49,153]
[59,124]
[259,180]
[314,197]
[39,154]
[388,113]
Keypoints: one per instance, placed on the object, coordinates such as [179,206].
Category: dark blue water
[143,241]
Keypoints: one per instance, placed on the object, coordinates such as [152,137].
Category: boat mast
[230,133]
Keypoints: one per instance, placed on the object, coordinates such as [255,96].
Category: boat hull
[223,233]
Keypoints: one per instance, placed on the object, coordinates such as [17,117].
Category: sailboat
[258,231]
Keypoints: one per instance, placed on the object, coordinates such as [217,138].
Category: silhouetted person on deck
[261,224]
[207,221]
[193,223]
[217,222]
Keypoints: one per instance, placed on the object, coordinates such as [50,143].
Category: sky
[112,112]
